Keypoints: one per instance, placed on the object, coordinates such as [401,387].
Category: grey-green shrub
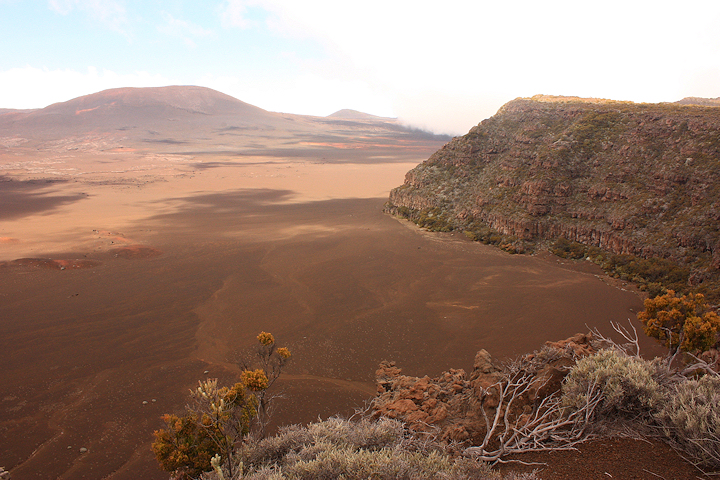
[690,417]
[627,385]
[337,448]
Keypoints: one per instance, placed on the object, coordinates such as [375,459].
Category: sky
[439,65]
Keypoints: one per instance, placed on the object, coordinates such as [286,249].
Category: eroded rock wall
[642,179]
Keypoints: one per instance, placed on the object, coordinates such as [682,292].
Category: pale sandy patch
[112,203]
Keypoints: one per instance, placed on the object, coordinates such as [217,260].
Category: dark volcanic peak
[187,98]
[155,108]
[641,179]
[707,102]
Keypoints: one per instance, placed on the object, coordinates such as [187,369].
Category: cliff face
[642,179]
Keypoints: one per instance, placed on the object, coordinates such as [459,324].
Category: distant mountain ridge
[161,108]
[190,98]
[641,179]
[118,107]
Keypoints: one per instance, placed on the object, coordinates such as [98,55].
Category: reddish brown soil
[175,258]
[136,251]
[621,458]
[89,346]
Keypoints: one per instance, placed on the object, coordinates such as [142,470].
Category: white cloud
[233,15]
[444,62]
[30,87]
[176,27]
[110,12]
[62,6]
[306,94]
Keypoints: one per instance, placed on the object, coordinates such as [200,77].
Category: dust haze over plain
[442,68]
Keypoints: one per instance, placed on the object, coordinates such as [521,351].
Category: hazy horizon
[439,68]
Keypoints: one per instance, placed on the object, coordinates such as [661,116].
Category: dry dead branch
[631,347]
[549,426]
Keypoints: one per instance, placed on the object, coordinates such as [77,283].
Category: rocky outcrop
[451,405]
[641,179]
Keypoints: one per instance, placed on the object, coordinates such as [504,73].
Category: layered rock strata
[641,179]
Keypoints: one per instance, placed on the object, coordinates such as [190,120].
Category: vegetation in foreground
[218,419]
[222,433]
[607,388]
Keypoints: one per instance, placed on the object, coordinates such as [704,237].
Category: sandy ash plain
[146,237]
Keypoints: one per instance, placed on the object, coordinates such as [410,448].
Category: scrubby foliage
[435,221]
[337,448]
[432,219]
[682,322]
[690,418]
[566,249]
[654,275]
[650,395]
[184,447]
[611,390]
[261,368]
[607,385]
[627,385]
[217,418]
[480,232]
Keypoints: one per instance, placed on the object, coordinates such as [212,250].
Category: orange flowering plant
[685,323]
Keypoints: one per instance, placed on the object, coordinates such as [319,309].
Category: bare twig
[654,474]
[549,426]
[631,347]
[699,364]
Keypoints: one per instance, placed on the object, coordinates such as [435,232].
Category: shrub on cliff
[627,385]
[337,448]
[218,418]
[566,249]
[690,418]
[261,367]
[651,395]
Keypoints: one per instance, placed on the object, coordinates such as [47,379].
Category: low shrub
[684,322]
[338,448]
[690,418]
[217,418]
[564,248]
[627,384]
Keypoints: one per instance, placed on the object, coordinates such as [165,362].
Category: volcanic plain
[148,235]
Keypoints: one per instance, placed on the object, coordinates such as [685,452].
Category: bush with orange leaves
[685,323]
[261,368]
[217,419]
